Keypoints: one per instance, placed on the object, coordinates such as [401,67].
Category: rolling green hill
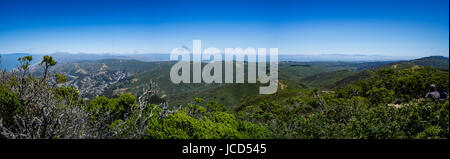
[114,77]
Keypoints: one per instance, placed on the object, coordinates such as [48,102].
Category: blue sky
[368,27]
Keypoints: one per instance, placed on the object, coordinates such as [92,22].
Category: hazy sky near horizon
[365,27]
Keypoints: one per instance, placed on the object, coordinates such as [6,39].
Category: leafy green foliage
[10,105]
[48,61]
[388,104]
[389,85]
[195,121]
[67,93]
[60,78]
[217,125]
[25,62]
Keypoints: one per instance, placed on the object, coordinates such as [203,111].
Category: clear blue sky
[368,27]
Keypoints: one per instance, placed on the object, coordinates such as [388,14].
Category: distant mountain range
[9,61]
[342,57]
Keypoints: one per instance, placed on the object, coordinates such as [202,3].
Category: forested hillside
[387,102]
[114,77]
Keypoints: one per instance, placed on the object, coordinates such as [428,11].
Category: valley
[112,77]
